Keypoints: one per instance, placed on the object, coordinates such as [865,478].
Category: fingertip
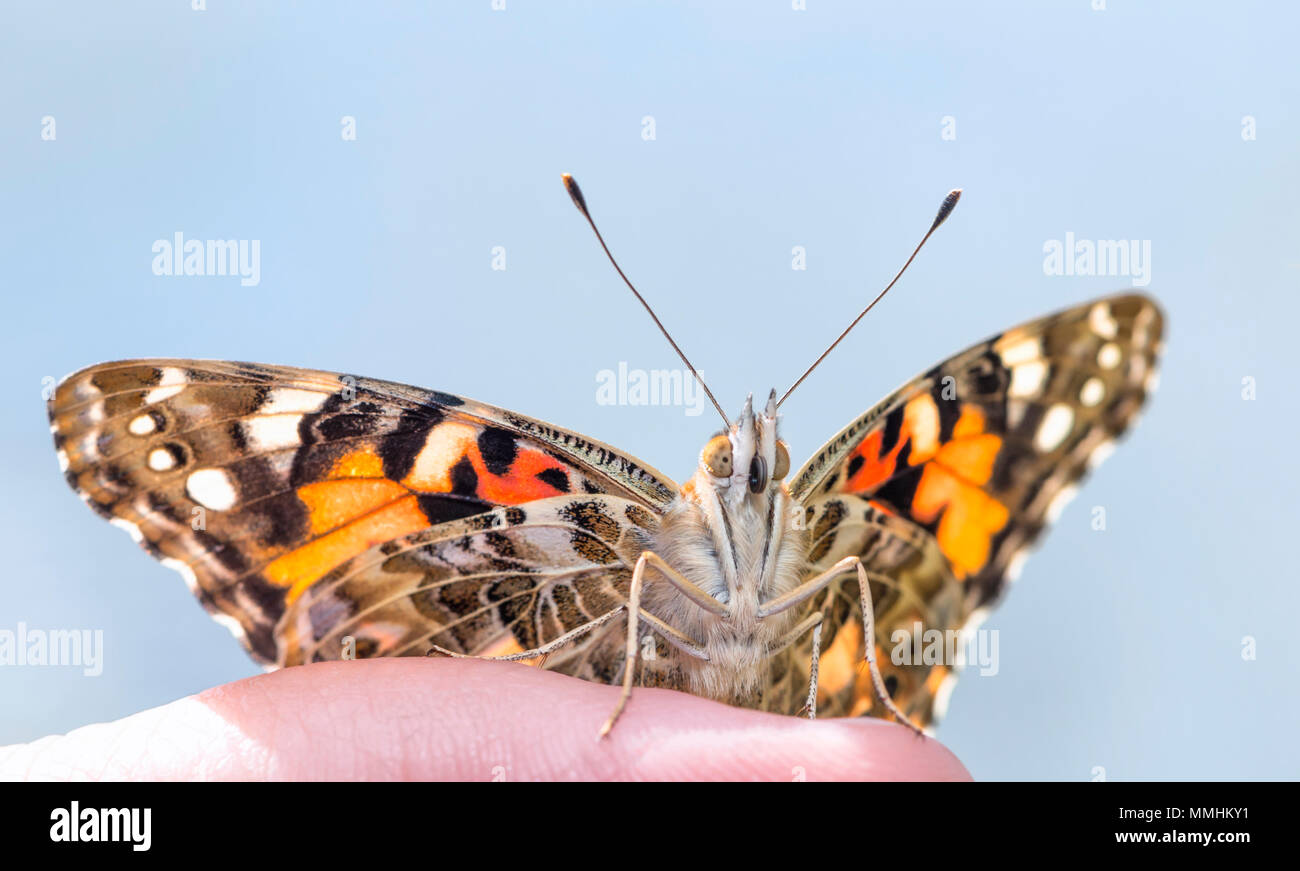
[456,719]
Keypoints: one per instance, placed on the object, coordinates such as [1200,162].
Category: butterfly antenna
[949,203]
[578,200]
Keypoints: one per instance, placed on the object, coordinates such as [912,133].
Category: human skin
[440,719]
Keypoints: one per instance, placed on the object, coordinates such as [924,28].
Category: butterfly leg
[648,560]
[869,639]
[814,622]
[811,702]
[549,647]
[814,585]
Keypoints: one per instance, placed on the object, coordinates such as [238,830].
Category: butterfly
[325,516]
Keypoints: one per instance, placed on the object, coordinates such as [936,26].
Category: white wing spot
[158,394]
[1108,356]
[1093,392]
[173,381]
[211,488]
[88,446]
[142,425]
[273,432]
[1027,379]
[943,695]
[1016,565]
[976,619]
[1055,426]
[1059,501]
[131,529]
[161,459]
[232,624]
[1102,321]
[186,572]
[1020,351]
[1100,454]
[290,399]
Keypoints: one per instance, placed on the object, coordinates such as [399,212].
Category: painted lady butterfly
[321,515]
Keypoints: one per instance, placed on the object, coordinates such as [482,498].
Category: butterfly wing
[255,482]
[942,488]
[505,581]
[911,583]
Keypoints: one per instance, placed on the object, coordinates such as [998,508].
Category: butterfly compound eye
[717,456]
[757,474]
[782,462]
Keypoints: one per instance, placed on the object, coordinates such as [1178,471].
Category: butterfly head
[749,457]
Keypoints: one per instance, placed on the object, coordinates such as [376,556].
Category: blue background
[774,128]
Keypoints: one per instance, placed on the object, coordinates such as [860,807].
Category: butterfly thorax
[739,544]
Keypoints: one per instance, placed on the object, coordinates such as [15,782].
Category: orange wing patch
[872,463]
[526,480]
[951,486]
[952,472]
[970,518]
[452,461]
[331,504]
[357,506]
[300,568]
[364,463]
